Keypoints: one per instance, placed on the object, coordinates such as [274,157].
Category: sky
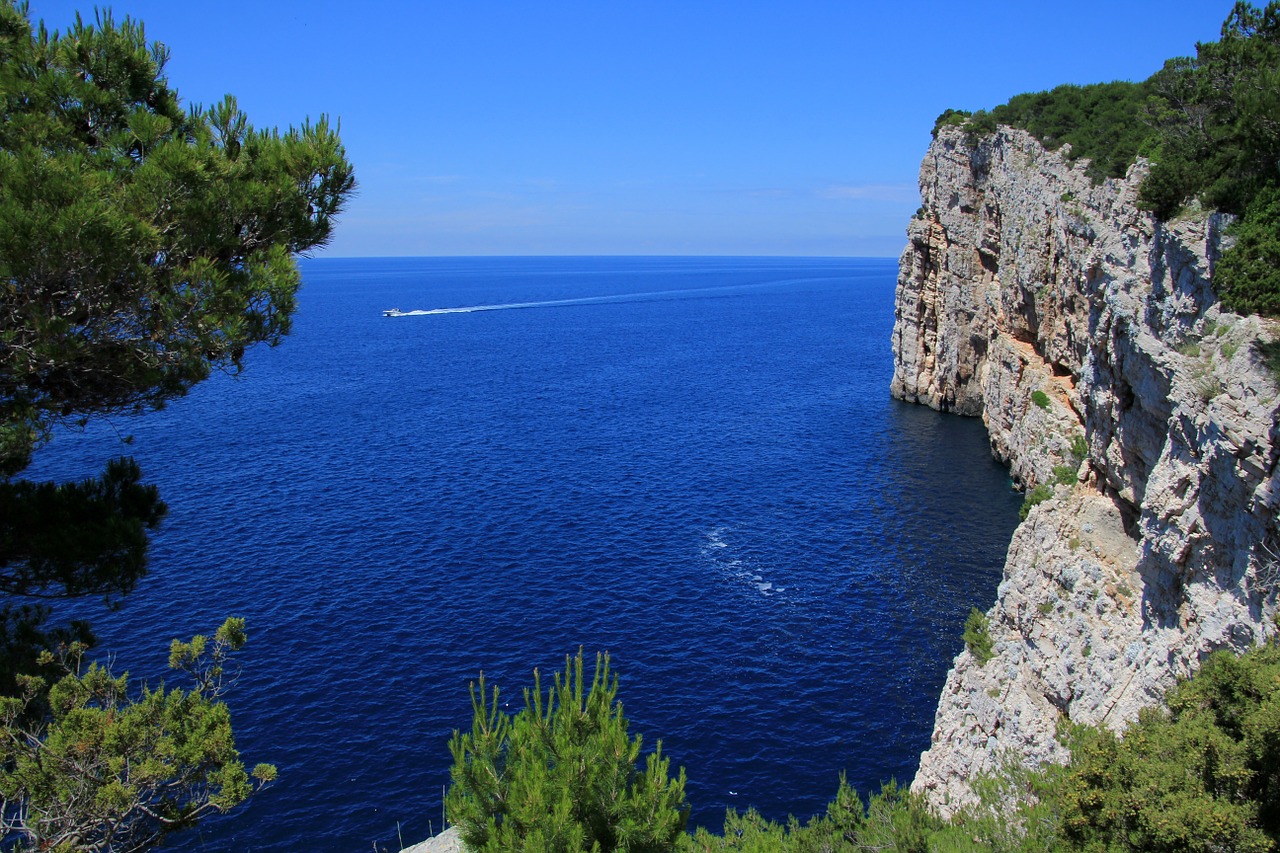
[689,127]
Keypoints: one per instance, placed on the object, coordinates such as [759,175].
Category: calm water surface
[691,463]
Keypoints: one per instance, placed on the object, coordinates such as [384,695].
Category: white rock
[1023,276]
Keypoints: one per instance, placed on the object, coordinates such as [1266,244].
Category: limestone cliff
[1022,276]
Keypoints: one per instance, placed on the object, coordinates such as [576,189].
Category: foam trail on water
[617,297]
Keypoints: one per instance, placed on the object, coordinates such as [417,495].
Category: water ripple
[711,484]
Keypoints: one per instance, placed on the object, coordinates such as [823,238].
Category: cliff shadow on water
[948,457]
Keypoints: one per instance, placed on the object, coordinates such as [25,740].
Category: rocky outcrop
[448,841]
[1086,335]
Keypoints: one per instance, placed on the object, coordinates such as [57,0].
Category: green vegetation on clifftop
[1097,121]
[1209,126]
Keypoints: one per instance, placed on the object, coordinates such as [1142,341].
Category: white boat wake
[593,300]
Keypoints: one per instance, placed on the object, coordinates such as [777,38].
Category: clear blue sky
[656,127]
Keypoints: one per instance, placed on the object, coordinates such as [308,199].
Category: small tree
[101,770]
[977,636]
[562,775]
[1036,496]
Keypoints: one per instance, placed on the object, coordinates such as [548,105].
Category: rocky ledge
[446,842]
[1086,335]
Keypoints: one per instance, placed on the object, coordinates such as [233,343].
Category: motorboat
[393,312]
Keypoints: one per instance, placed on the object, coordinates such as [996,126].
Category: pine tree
[563,775]
[143,245]
[100,768]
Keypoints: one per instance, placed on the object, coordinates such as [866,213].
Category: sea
[690,463]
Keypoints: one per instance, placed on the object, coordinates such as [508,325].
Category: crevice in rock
[989,262]
[1025,336]
[1129,513]
[1124,394]
[979,344]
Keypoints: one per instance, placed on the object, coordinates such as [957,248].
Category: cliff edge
[1155,429]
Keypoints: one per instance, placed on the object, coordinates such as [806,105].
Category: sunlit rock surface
[1022,276]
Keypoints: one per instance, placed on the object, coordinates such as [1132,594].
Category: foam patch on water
[717,549]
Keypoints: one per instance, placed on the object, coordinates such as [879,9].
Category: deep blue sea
[692,463]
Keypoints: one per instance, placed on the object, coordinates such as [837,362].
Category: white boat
[393,312]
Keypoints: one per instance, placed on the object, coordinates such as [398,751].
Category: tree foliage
[67,540]
[1217,117]
[143,245]
[563,775]
[1248,276]
[106,770]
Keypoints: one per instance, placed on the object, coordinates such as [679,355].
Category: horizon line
[596,255]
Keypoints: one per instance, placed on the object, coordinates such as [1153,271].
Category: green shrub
[980,124]
[1102,122]
[562,776]
[1201,776]
[1247,276]
[1065,474]
[977,638]
[1038,495]
[950,118]
[1041,399]
[892,820]
[1079,449]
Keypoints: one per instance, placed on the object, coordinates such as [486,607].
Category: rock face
[1086,335]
